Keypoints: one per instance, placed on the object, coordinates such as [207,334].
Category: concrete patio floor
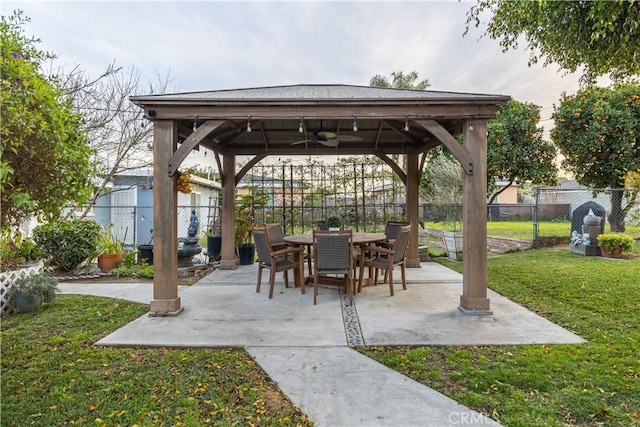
[305,348]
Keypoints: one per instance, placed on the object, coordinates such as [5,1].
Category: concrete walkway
[305,348]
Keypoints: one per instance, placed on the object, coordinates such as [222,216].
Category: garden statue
[188,246]
[194,224]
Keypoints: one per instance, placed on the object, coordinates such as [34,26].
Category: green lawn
[523,230]
[597,383]
[53,375]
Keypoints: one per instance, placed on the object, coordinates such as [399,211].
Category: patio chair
[391,232]
[383,258]
[322,225]
[276,236]
[276,261]
[333,255]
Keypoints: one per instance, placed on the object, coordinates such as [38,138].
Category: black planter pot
[214,247]
[145,252]
[247,254]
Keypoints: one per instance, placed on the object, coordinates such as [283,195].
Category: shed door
[123,212]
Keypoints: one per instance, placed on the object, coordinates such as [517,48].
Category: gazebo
[318,120]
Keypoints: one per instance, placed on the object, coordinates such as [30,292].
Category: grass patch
[52,375]
[523,230]
[597,383]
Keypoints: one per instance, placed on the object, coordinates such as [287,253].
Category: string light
[248,123]
[301,128]
[355,124]
[406,124]
[471,124]
[195,123]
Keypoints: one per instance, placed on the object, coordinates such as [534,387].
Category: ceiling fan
[327,138]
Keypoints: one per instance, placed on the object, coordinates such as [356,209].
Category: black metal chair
[386,258]
[333,255]
[276,261]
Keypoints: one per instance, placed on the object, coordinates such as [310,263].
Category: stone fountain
[188,246]
[586,224]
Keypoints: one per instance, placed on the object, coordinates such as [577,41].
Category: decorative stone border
[350,319]
[7,279]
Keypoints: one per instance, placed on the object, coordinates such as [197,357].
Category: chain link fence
[367,195]
[546,219]
[134,224]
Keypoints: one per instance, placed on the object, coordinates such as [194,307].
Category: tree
[516,150]
[46,162]
[441,184]
[602,37]
[115,127]
[399,81]
[597,131]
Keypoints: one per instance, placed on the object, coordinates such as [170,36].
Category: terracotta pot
[107,262]
[615,253]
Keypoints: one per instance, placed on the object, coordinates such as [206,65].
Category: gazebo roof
[276,114]
[324,92]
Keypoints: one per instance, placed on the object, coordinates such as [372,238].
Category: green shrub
[67,244]
[146,272]
[334,222]
[122,271]
[33,287]
[610,241]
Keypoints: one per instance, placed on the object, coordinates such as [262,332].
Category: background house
[129,206]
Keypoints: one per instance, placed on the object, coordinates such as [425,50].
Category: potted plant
[246,206]
[110,250]
[27,293]
[612,245]
[334,222]
[452,233]
[214,244]
[17,251]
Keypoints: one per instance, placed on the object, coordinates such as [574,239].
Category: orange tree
[597,131]
[516,151]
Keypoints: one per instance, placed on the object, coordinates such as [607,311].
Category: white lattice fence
[6,280]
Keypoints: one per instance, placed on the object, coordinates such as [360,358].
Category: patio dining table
[359,239]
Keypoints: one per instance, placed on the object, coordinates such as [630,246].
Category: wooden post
[411,209]
[474,288]
[166,301]
[228,253]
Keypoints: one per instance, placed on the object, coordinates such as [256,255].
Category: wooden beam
[411,209]
[393,165]
[190,143]
[251,163]
[459,152]
[423,159]
[166,301]
[220,169]
[228,214]
[344,110]
[474,223]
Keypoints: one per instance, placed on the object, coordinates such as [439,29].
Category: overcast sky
[221,45]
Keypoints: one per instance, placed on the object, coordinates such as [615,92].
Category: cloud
[221,45]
